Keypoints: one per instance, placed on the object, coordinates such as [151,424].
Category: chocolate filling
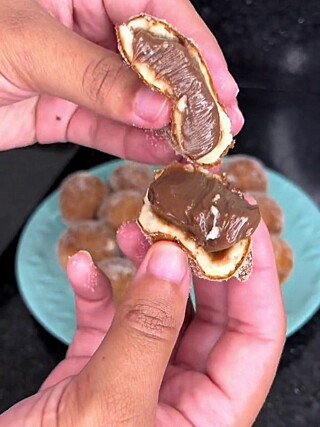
[204,207]
[171,62]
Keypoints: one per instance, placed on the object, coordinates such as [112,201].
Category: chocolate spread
[171,62]
[204,207]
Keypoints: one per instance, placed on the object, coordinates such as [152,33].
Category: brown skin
[64,85]
[77,76]
[223,364]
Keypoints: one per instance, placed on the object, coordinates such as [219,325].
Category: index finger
[190,24]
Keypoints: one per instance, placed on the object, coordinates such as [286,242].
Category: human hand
[226,358]
[116,371]
[61,78]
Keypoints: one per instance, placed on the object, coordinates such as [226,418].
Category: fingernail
[236,117]
[239,115]
[85,269]
[229,85]
[168,262]
[151,106]
[81,256]
[235,87]
[226,86]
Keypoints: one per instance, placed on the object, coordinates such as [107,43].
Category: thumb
[128,368]
[47,57]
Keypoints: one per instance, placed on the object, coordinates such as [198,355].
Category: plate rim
[37,315]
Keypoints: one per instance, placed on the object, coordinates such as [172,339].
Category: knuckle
[15,20]
[151,320]
[19,21]
[100,77]
[19,33]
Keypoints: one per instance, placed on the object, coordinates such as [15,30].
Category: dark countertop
[23,168]
[282,108]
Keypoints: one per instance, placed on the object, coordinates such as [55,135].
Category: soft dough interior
[215,265]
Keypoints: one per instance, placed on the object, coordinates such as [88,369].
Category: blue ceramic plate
[46,292]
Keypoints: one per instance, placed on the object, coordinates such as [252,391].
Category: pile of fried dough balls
[248,175]
[93,209]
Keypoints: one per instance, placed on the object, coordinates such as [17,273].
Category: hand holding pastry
[62,79]
[120,368]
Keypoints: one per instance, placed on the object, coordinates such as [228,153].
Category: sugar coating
[93,236]
[80,196]
[245,270]
[120,272]
[120,207]
[245,173]
[131,176]
[117,267]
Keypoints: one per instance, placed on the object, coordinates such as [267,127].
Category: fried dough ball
[284,257]
[120,272]
[271,212]
[132,176]
[246,173]
[93,236]
[80,196]
[120,207]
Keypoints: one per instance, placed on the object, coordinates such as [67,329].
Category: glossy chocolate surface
[172,63]
[204,207]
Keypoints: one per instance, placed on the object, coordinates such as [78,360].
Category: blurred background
[272,48]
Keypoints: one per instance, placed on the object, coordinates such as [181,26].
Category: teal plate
[47,294]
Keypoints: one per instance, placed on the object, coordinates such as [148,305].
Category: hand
[61,78]
[116,371]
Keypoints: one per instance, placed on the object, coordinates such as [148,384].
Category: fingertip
[126,228]
[263,255]
[132,242]
[86,279]
[160,144]
[78,267]
[236,117]
[126,236]
[168,262]
[261,237]
[265,273]
[151,109]
[250,199]
[225,85]
[167,257]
